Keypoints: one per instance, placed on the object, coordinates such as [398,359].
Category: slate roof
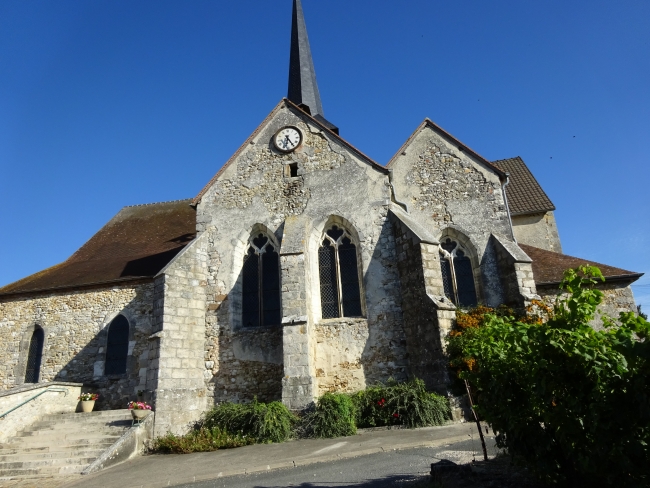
[549,266]
[135,244]
[525,195]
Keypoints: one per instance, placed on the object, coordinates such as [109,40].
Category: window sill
[339,320]
[115,376]
[258,328]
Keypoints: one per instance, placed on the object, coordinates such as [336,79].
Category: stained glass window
[35,356]
[261,284]
[457,274]
[339,275]
[117,347]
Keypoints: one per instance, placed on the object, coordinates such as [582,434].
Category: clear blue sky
[111,103]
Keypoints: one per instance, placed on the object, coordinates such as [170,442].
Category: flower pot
[139,414]
[87,406]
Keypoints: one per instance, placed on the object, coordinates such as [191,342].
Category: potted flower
[88,401]
[139,410]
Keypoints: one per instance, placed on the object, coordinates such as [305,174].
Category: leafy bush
[408,404]
[264,422]
[200,440]
[334,416]
[571,401]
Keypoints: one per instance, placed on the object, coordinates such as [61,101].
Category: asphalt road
[387,469]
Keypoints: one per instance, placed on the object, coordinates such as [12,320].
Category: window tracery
[457,274]
[339,275]
[261,284]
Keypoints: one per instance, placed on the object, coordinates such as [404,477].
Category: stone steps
[62,444]
[22,455]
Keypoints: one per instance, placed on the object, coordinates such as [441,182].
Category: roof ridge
[158,203]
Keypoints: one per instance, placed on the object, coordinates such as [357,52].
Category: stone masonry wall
[446,188]
[76,326]
[256,192]
[175,378]
[348,359]
[618,298]
[539,230]
[422,300]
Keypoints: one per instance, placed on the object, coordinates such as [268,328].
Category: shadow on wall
[385,354]
[89,363]
[241,362]
[426,359]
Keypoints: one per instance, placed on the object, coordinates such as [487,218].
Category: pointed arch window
[117,346]
[261,284]
[35,356]
[339,275]
[457,274]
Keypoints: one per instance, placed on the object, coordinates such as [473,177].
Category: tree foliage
[571,401]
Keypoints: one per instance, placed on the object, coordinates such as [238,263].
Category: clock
[287,139]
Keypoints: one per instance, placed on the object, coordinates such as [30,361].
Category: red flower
[396,415]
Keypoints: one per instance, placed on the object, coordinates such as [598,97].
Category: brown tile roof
[137,243]
[548,267]
[525,195]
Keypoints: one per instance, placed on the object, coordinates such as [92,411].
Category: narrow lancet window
[457,274]
[35,356]
[339,275]
[261,284]
[117,346]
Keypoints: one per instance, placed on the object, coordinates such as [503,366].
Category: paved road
[175,470]
[387,469]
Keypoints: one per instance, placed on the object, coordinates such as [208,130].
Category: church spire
[303,88]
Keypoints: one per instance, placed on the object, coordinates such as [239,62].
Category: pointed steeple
[303,88]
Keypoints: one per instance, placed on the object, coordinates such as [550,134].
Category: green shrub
[571,401]
[407,403]
[264,422]
[334,416]
[200,440]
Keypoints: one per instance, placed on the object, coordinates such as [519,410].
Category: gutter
[608,279]
[505,199]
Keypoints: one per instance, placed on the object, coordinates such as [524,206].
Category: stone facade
[76,327]
[538,230]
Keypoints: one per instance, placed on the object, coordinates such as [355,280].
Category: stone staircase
[61,444]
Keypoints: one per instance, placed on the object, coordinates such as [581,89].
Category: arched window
[339,275]
[457,274]
[261,284]
[35,356]
[117,346]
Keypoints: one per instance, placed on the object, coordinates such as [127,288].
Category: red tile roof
[525,195]
[548,267]
[135,244]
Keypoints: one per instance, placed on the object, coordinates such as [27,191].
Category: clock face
[287,139]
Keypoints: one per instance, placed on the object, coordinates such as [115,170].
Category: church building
[302,267]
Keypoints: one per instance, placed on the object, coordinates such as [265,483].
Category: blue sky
[111,103]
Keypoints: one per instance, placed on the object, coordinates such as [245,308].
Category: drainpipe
[393,194]
[505,199]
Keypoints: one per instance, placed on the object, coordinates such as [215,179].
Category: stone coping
[35,386]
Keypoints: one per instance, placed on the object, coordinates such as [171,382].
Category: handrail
[49,388]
